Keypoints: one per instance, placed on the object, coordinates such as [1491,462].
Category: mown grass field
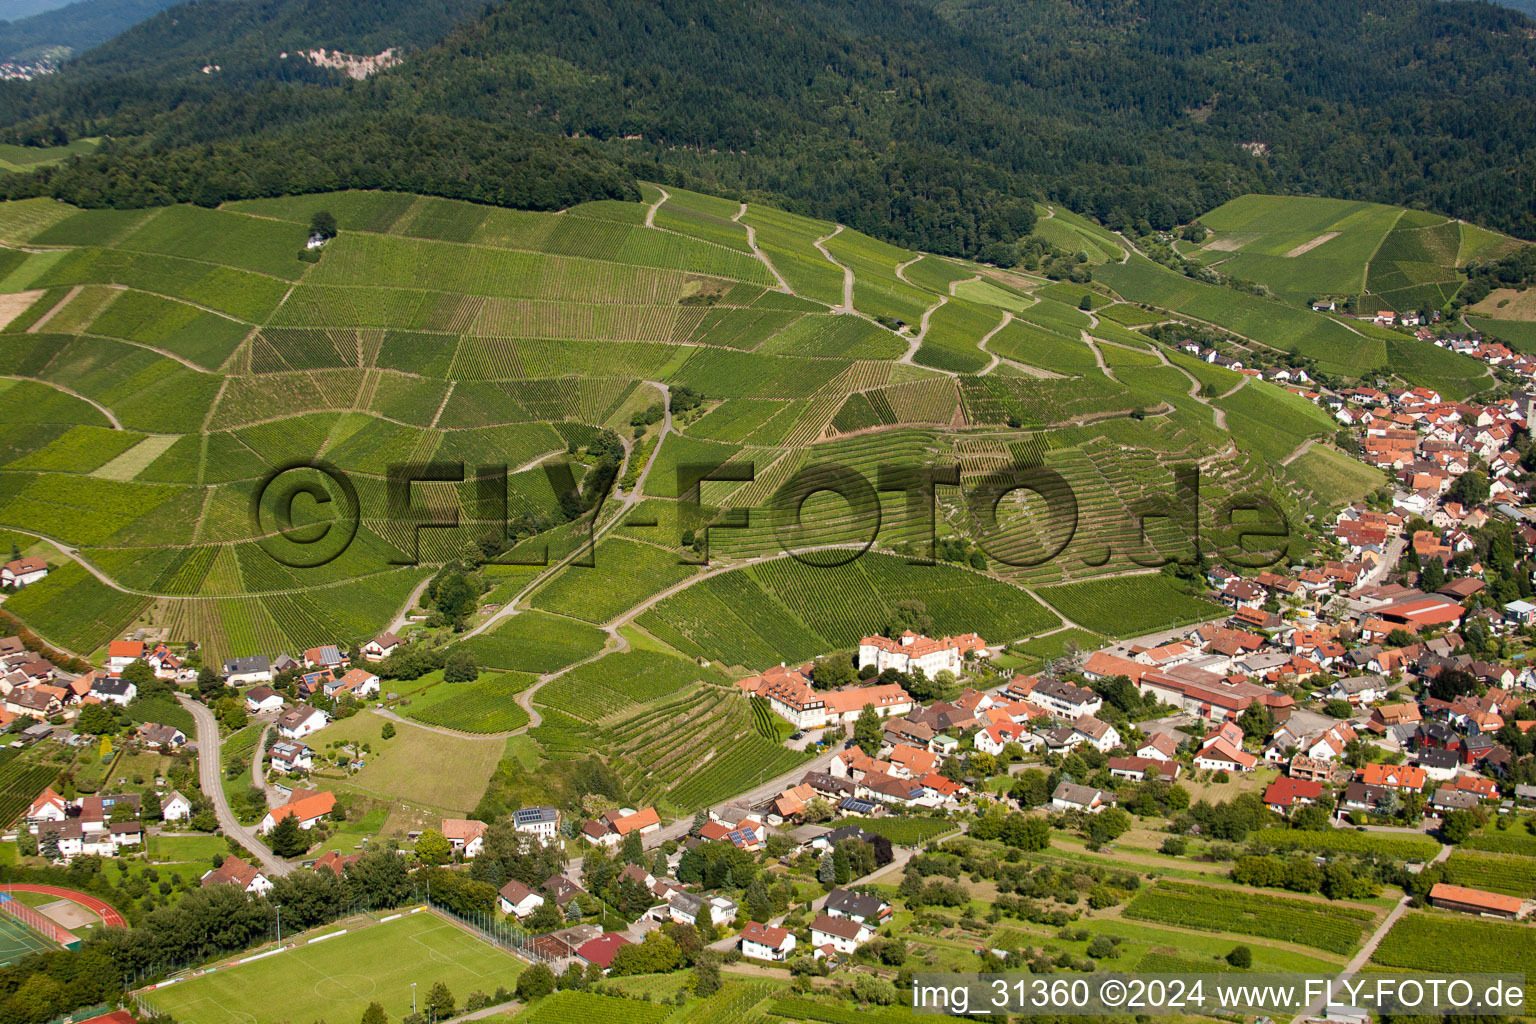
[417,766]
[339,977]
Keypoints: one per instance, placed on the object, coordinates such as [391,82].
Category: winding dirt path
[111,417]
[820,243]
[752,241]
[1299,451]
[922,332]
[650,213]
[625,503]
[982,344]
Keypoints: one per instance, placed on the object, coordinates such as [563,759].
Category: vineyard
[1129,605]
[489,704]
[1501,842]
[1452,944]
[903,831]
[1209,908]
[794,1008]
[435,329]
[763,719]
[618,683]
[1515,876]
[586,1007]
[1375,844]
[20,784]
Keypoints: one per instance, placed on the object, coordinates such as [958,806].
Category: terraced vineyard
[430,329]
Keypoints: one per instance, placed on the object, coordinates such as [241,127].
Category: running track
[108,913]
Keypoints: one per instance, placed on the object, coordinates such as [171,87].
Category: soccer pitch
[337,979]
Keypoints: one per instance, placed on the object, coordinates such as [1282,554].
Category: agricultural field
[1325,926]
[1331,476]
[1305,248]
[487,705]
[579,1007]
[783,610]
[1441,942]
[1129,605]
[1398,847]
[903,831]
[20,783]
[1512,875]
[432,329]
[339,977]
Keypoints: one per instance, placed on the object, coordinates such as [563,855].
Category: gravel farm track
[108,914]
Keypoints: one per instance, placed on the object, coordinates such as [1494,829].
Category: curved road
[210,773]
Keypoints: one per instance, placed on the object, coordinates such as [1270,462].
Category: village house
[160,737]
[176,807]
[1143,769]
[1284,794]
[235,871]
[1065,699]
[866,908]
[838,934]
[357,682]
[114,690]
[254,668]
[1069,796]
[308,810]
[263,700]
[543,823]
[326,656]
[766,942]
[612,826]
[465,836]
[296,723]
[289,757]
[122,653]
[381,647]
[22,571]
[517,898]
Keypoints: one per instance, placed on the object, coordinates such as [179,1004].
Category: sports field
[17,940]
[336,979]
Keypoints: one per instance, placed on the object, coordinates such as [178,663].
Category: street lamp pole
[413,997]
[279,926]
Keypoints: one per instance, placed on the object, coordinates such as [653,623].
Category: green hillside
[1303,248]
[164,362]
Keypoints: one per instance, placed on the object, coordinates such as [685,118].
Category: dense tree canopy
[933,125]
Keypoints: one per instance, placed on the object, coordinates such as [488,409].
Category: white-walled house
[176,807]
[299,722]
[766,942]
[840,934]
[517,898]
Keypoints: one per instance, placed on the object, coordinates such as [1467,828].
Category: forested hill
[929,122]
